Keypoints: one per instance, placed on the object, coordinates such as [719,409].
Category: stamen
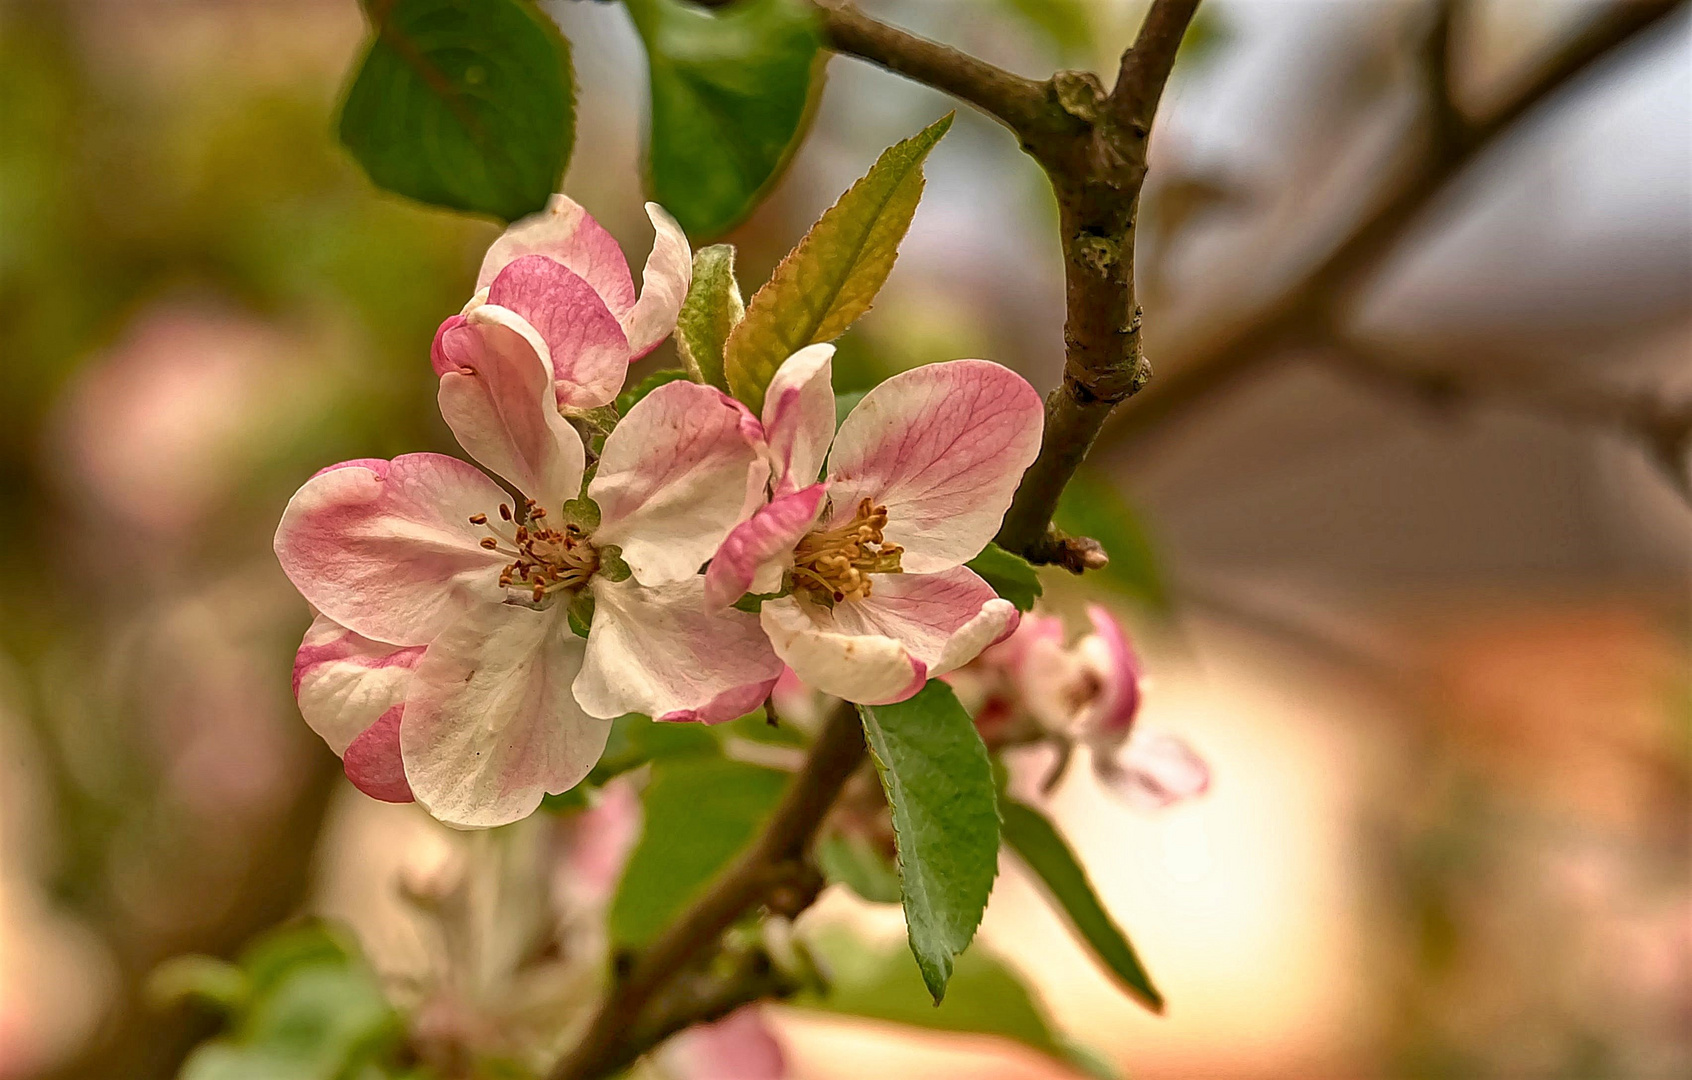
[837,563]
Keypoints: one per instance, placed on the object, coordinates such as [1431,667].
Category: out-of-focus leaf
[1037,843]
[1206,34]
[699,813]
[845,403]
[986,997]
[466,104]
[711,310]
[1011,576]
[831,278]
[939,784]
[1068,23]
[732,91]
[851,861]
[634,741]
[631,397]
[1092,506]
[203,978]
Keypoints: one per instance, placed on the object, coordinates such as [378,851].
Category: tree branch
[1014,101]
[622,1029]
[1304,312]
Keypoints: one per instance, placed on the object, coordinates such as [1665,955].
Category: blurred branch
[1092,145]
[1305,312]
[643,1008]
[1662,429]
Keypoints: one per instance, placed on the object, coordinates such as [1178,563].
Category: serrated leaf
[939,784]
[1011,576]
[631,397]
[466,104]
[831,278]
[698,814]
[1092,506]
[712,309]
[1038,844]
[732,91]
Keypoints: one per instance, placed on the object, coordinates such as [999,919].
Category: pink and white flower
[443,631]
[741,1046]
[919,476]
[565,287]
[1089,692]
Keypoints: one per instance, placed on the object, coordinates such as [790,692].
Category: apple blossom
[877,597]
[562,282]
[504,703]
[1088,692]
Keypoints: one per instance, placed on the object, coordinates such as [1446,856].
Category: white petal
[872,669]
[663,284]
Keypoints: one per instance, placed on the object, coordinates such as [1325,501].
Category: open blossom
[919,477]
[442,664]
[1088,692]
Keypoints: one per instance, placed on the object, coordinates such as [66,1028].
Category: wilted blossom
[443,665]
[920,475]
[1033,686]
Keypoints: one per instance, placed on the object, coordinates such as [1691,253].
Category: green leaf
[631,397]
[732,91]
[466,104]
[713,307]
[1038,844]
[1092,506]
[935,773]
[1011,576]
[831,278]
[852,861]
[699,814]
[986,997]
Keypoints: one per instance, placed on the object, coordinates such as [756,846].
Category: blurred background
[1427,547]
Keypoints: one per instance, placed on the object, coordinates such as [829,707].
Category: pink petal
[660,652]
[569,234]
[873,669]
[1153,770]
[387,548]
[344,682]
[942,447]
[739,1047]
[799,417]
[597,842]
[1118,671]
[589,354]
[373,762]
[761,544]
[943,620]
[663,284]
[490,726]
[498,400]
[682,469]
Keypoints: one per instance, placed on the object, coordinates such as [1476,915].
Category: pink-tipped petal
[490,725]
[344,681]
[943,620]
[1153,770]
[799,417]
[1118,670]
[943,448]
[372,762]
[584,341]
[682,469]
[659,652]
[740,1047]
[568,234]
[759,544]
[498,400]
[387,549]
[438,358]
[663,284]
[868,668]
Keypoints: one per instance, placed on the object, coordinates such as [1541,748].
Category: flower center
[544,560]
[837,563]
